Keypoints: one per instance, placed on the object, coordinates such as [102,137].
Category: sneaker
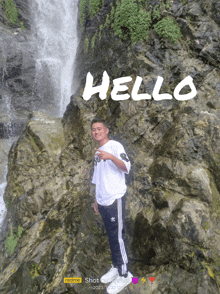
[119,283]
[110,275]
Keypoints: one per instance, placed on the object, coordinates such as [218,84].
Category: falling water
[54,30]
[2,203]
[5,144]
[7,115]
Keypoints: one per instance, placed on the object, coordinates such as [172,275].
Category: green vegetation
[88,9]
[12,239]
[156,12]
[100,34]
[86,45]
[34,144]
[107,22]
[132,19]
[22,25]
[94,6]
[168,28]
[82,9]
[205,225]
[11,11]
[130,22]
[93,41]
[35,271]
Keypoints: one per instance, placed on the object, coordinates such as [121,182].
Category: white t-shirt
[108,178]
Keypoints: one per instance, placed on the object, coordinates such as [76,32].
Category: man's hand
[103,154]
[96,207]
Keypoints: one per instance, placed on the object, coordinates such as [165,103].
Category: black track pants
[114,219]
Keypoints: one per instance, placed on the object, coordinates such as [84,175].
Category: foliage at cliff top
[132,20]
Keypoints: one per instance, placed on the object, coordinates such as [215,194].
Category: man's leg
[114,220]
[122,260]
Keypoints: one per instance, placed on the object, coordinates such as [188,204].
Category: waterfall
[2,203]
[7,116]
[5,142]
[54,30]
[54,41]
[7,137]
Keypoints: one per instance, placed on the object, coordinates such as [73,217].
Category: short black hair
[99,120]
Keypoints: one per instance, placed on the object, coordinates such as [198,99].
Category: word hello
[119,87]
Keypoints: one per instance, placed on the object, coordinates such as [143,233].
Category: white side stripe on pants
[120,240]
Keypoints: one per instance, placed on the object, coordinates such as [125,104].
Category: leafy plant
[156,12]
[35,271]
[168,28]
[12,239]
[112,13]
[22,25]
[86,45]
[125,20]
[107,22]
[143,2]
[132,19]
[11,11]
[82,9]
[141,26]
[167,5]
[94,6]
[88,9]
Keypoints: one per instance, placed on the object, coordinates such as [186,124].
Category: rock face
[172,216]
[17,69]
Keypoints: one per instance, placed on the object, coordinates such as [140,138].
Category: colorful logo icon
[143,280]
[134,280]
[151,279]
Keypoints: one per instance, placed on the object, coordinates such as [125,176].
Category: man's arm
[119,163]
[105,156]
[96,207]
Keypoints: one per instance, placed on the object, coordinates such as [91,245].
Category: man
[111,164]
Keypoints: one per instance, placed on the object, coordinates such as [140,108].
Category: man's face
[99,132]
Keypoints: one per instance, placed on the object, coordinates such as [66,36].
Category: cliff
[172,213]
